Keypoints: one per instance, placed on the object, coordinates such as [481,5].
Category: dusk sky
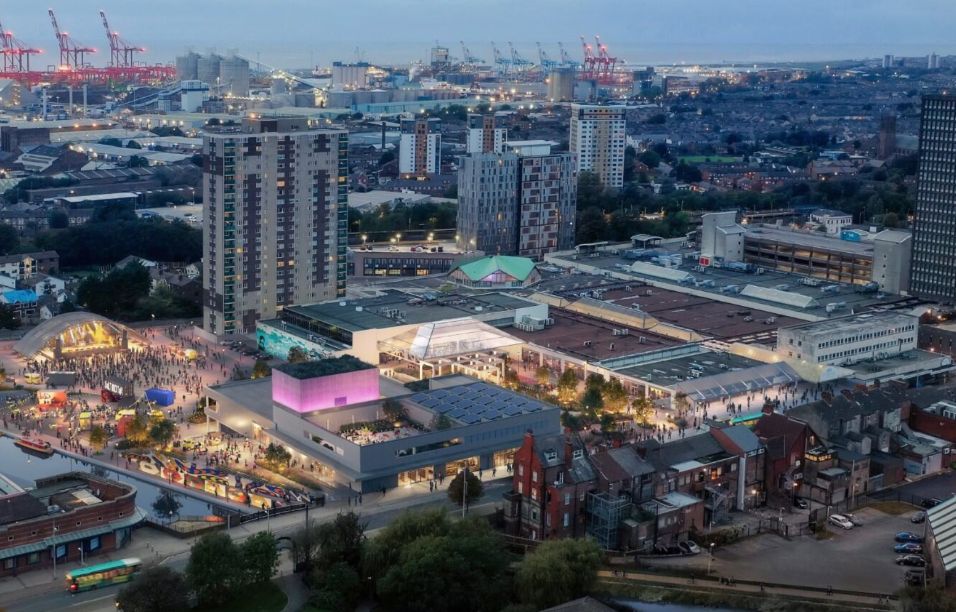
[291,33]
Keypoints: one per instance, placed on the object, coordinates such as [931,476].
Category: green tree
[384,550]
[933,598]
[543,375]
[166,504]
[567,386]
[475,488]
[212,571]
[259,557]
[643,407]
[592,400]
[157,589]
[297,354]
[614,395]
[58,219]
[681,404]
[98,438]
[137,430]
[261,369]
[464,569]
[590,190]
[162,432]
[558,571]
[592,226]
[337,587]
[9,239]
[276,456]
[650,158]
[8,317]
[393,410]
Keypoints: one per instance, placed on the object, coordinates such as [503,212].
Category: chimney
[568,446]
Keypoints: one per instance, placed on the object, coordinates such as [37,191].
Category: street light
[80,548]
[710,558]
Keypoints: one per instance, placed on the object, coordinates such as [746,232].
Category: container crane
[16,53]
[605,63]
[590,71]
[517,61]
[72,53]
[122,53]
[503,63]
[544,61]
[566,60]
[467,57]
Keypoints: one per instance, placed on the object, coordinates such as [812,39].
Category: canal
[24,468]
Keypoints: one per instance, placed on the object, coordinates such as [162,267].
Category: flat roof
[590,338]
[400,308]
[99,197]
[814,240]
[324,367]
[478,402]
[669,372]
[853,323]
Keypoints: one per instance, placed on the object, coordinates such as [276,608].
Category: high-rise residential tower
[483,136]
[419,150]
[521,202]
[275,219]
[933,271]
[598,140]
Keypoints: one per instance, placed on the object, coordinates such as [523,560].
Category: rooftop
[518,268]
[669,372]
[854,323]
[814,240]
[942,520]
[323,367]
[399,308]
[477,402]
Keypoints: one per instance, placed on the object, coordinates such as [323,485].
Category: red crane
[72,53]
[589,71]
[605,63]
[122,53]
[16,53]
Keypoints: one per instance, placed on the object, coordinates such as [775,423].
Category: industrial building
[329,414]
[848,340]
[419,152]
[350,75]
[934,250]
[521,202]
[228,76]
[598,140]
[392,261]
[275,220]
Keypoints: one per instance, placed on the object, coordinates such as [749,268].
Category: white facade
[848,340]
[192,95]
[721,237]
[350,76]
[597,140]
[420,147]
[833,221]
[476,139]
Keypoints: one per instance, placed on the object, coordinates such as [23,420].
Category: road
[54,596]
[941,486]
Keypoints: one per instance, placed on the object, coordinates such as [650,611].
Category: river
[24,469]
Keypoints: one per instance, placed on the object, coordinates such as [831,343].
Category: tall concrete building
[561,83]
[598,141]
[483,136]
[516,203]
[350,76]
[933,272]
[274,228]
[419,150]
[886,141]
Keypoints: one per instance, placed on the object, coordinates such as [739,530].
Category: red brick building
[787,441]
[551,479]
[60,516]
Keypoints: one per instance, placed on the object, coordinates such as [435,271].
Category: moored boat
[41,447]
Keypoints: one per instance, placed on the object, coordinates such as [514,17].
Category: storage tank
[207,69]
[234,76]
[186,66]
[561,84]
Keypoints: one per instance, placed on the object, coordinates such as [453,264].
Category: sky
[300,33]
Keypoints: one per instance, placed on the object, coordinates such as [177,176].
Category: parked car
[932,502]
[908,548]
[689,547]
[919,517]
[840,521]
[853,519]
[915,577]
[908,536]
[914,560]
[801,503]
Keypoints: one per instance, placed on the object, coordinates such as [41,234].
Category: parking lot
[860,559]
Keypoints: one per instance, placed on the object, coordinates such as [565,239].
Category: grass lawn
[258,598]
[714,159]
[893,507]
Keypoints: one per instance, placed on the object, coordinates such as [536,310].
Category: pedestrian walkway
[870,601]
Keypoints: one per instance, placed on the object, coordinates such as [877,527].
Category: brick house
[63,514]
[787,441]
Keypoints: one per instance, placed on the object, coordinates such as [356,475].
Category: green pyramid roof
[517,267]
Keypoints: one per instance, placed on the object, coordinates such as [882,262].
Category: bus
[102,575]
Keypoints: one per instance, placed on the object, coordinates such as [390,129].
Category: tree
[338,587]
[9,239]
[543,375]
[590,190]
[98,438]
[277,456]
[558,571]
[393,410]
[614,395]
[464,569]
[138,161]
[261,369]
[441,422]
[259,557]
[649,158]
[592,226]
[212,571]
[567,386]
[58,219]
[592,400]
[166,504]
[643,407]
[681,404]
[157,589]
[297,354]
[162,432]
[930,599]
[8,317]
[475,488]
[137,432]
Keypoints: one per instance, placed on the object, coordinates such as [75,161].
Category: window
[520,488]
[534,514]
[10,563]
[567,500]
[33,558]
[567,519]
[534,477]
[94,543]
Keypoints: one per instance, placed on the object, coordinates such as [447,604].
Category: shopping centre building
[331,416]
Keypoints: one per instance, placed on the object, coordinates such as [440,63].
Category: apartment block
[483,136]
[420,147]
[597,141]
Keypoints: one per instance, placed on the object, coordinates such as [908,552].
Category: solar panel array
[477,402]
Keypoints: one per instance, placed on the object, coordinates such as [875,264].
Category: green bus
[102,574]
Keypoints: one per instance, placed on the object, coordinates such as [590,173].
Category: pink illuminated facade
[335,390]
